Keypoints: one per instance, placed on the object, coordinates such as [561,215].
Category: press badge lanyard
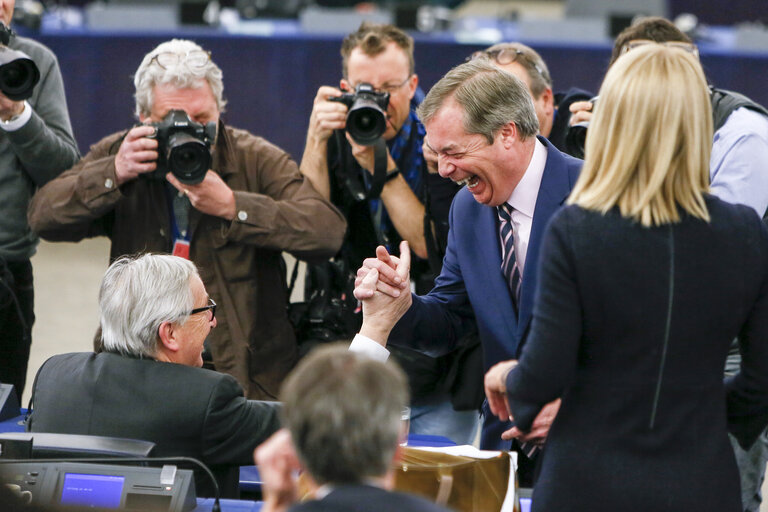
[179,210]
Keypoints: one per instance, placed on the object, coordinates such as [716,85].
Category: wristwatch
[391,175]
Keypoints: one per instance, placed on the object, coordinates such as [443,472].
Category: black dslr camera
[576,135]
[18,73]
[183,147]
[367,116]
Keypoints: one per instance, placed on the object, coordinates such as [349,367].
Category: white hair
[180,75]
[137,295]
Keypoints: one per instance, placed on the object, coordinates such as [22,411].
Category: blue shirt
[738,167]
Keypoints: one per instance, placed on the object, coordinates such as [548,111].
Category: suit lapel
[489,277]
[554,189]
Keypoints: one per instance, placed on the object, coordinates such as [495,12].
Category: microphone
[216,507]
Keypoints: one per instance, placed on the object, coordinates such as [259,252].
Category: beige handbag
[466,484]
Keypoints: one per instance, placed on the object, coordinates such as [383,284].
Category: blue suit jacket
[471,288]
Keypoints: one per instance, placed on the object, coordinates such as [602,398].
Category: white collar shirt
[523,202]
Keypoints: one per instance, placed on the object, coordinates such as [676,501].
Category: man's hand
[390,281]
[326,116]
[430,157]
[496,389]
[9,108]
[278,464]
[539,428]
[137,154]
[581,111]
[382,311]
[365,156]
[211,196]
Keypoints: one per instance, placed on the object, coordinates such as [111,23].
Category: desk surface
[205,505]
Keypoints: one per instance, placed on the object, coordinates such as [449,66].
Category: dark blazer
[471,287]
[631,328]
[366,498]
[186,411]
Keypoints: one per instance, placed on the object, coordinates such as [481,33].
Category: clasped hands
[496,394]
[383,285]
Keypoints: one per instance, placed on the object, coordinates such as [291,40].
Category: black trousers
[17,300]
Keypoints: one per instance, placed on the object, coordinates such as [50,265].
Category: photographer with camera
[36,144]
[396,199]
[184,182]
[552,108]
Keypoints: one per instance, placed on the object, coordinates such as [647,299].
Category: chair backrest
[74,446]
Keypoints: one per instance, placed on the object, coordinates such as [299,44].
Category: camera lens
[188,158]
[366,122]
[18,78]
[575,138]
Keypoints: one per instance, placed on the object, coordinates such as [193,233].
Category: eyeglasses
[193,59]
[211,305]
[682,45]
[506,56]
[390,88]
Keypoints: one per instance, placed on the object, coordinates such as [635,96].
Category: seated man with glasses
[552,109]
[248,204]
[412,205]
[147,383]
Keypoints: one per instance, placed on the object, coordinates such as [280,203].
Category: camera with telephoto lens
[183,147]
[576,135]
[367,116]
[18,73]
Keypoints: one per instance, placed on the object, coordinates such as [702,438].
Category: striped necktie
[512,274]
[509,267]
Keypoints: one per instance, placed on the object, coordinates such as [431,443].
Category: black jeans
[17,300]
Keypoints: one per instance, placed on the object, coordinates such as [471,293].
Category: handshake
[383,285]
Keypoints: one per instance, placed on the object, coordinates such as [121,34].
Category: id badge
[181,248]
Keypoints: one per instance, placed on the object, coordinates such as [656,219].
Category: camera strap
[379,169]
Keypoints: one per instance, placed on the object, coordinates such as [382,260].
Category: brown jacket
[239,261]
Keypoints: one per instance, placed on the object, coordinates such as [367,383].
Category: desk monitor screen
[104,491]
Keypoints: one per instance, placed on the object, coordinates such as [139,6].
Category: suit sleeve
[747,398]
[45,145]
[550,356]
[234,425]
[437,321]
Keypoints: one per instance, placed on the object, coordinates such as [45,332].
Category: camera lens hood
[366,122]
[188,158]
[18,74]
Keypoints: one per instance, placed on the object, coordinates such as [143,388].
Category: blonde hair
[649,142]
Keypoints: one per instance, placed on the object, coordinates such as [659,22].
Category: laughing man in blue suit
[481,123]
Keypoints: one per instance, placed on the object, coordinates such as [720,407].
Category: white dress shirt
[523,202]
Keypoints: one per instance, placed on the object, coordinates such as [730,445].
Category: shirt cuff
[365,345]
[16,123]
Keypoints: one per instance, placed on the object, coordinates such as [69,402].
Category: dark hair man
[737,174]
[413,204]
[147,384]
[252,204]
[552,109]
[36,144]
[342,414]
[482,125]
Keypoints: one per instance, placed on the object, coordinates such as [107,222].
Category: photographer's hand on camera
[211,196]
[9,108]
[581,111]
[364,155]
[326,117]
[137,154]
